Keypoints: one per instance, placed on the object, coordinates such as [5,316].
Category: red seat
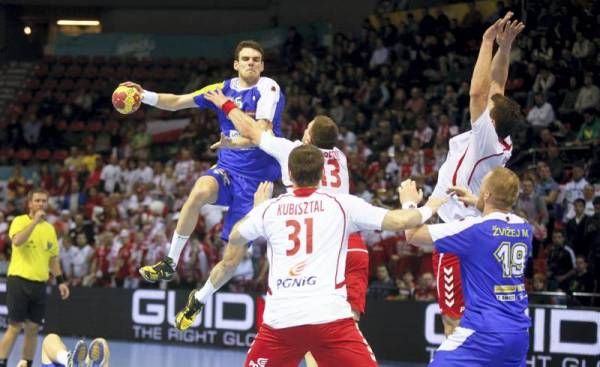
[77,126]
[42,154]
[24,154]
[60,155]
[61,125]
[94,126]
[7,153]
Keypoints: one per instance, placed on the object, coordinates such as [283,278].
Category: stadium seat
[77,126]
[66,84]
[23,154]
[94,126]
[99,60]
[61,125]
[6,153]
[74,71]
[41,70]
[82,83]
[60,155]
[42,154]
[82,59]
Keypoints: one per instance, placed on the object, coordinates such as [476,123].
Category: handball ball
[126,100]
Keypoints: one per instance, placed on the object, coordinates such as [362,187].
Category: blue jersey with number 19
[493,251]
[261,101]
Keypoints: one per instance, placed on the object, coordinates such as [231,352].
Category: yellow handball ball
[126,100]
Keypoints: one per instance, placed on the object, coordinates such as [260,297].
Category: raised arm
[164,101]
[501,60]
[481,79]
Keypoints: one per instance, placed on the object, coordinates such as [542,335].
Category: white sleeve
[252,226]
[484,135]
[362,215]
[269,97]
[278,148]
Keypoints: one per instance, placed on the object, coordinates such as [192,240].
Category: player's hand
[134,85]
[434,203]
[224,142]
[63,288]
[408,192]
[39,216]
[216,97]
[508,33]
[497,26]
[463,195]
[263,193]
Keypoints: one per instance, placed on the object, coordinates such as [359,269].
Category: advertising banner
[397,331]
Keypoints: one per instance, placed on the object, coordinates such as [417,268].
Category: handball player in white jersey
[307,232]
[476,152]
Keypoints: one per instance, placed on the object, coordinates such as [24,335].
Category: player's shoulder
[23,218]
[450,229]
[266,83]
[211,87]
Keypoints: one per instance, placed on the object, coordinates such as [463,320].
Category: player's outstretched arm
[500,63]
[164,101]
[410,216]
[481,79]
[244,124]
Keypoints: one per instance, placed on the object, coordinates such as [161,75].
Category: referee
[34,256]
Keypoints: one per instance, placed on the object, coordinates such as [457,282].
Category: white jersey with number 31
[307,234]
[335,179]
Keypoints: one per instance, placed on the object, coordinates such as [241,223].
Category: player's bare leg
[30,342]
[55,351]
[309,360]
[450,323]
[205,191]
[8,339]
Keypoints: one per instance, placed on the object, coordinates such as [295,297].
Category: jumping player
[237,174]
[474,153]
[307,232]
[493,250]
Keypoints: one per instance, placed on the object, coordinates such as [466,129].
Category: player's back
[265,100]
[306,232]
[336,177]
[471,156]
[493,251]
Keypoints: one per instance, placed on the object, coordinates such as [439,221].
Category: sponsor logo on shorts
[296,282]
[261,362]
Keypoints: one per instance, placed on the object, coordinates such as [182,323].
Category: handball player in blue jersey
[493,250]
[237,174]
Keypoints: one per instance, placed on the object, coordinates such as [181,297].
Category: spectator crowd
[398,90]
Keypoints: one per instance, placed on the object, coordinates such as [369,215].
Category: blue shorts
[469,348]
[236,192]
[53,365]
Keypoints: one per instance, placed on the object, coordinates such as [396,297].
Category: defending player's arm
[365,215]
[481,79]
[501,60]
[244,124]
[421,236]
[164,101]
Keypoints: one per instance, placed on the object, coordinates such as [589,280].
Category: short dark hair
[506,114]
[580,201]
[324,132]
[248,44]
[306,165]
[37,190]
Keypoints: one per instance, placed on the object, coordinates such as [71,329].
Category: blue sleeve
[199,99]
[454,238]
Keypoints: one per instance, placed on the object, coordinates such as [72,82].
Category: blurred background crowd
[399,89]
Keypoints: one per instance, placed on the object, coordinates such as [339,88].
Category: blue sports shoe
[97,353]
[78,355]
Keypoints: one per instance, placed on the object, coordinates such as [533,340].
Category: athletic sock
[177,244]
[62,357]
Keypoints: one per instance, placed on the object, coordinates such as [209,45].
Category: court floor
[124,354]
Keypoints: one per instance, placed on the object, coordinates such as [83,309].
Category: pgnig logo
[296,282]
